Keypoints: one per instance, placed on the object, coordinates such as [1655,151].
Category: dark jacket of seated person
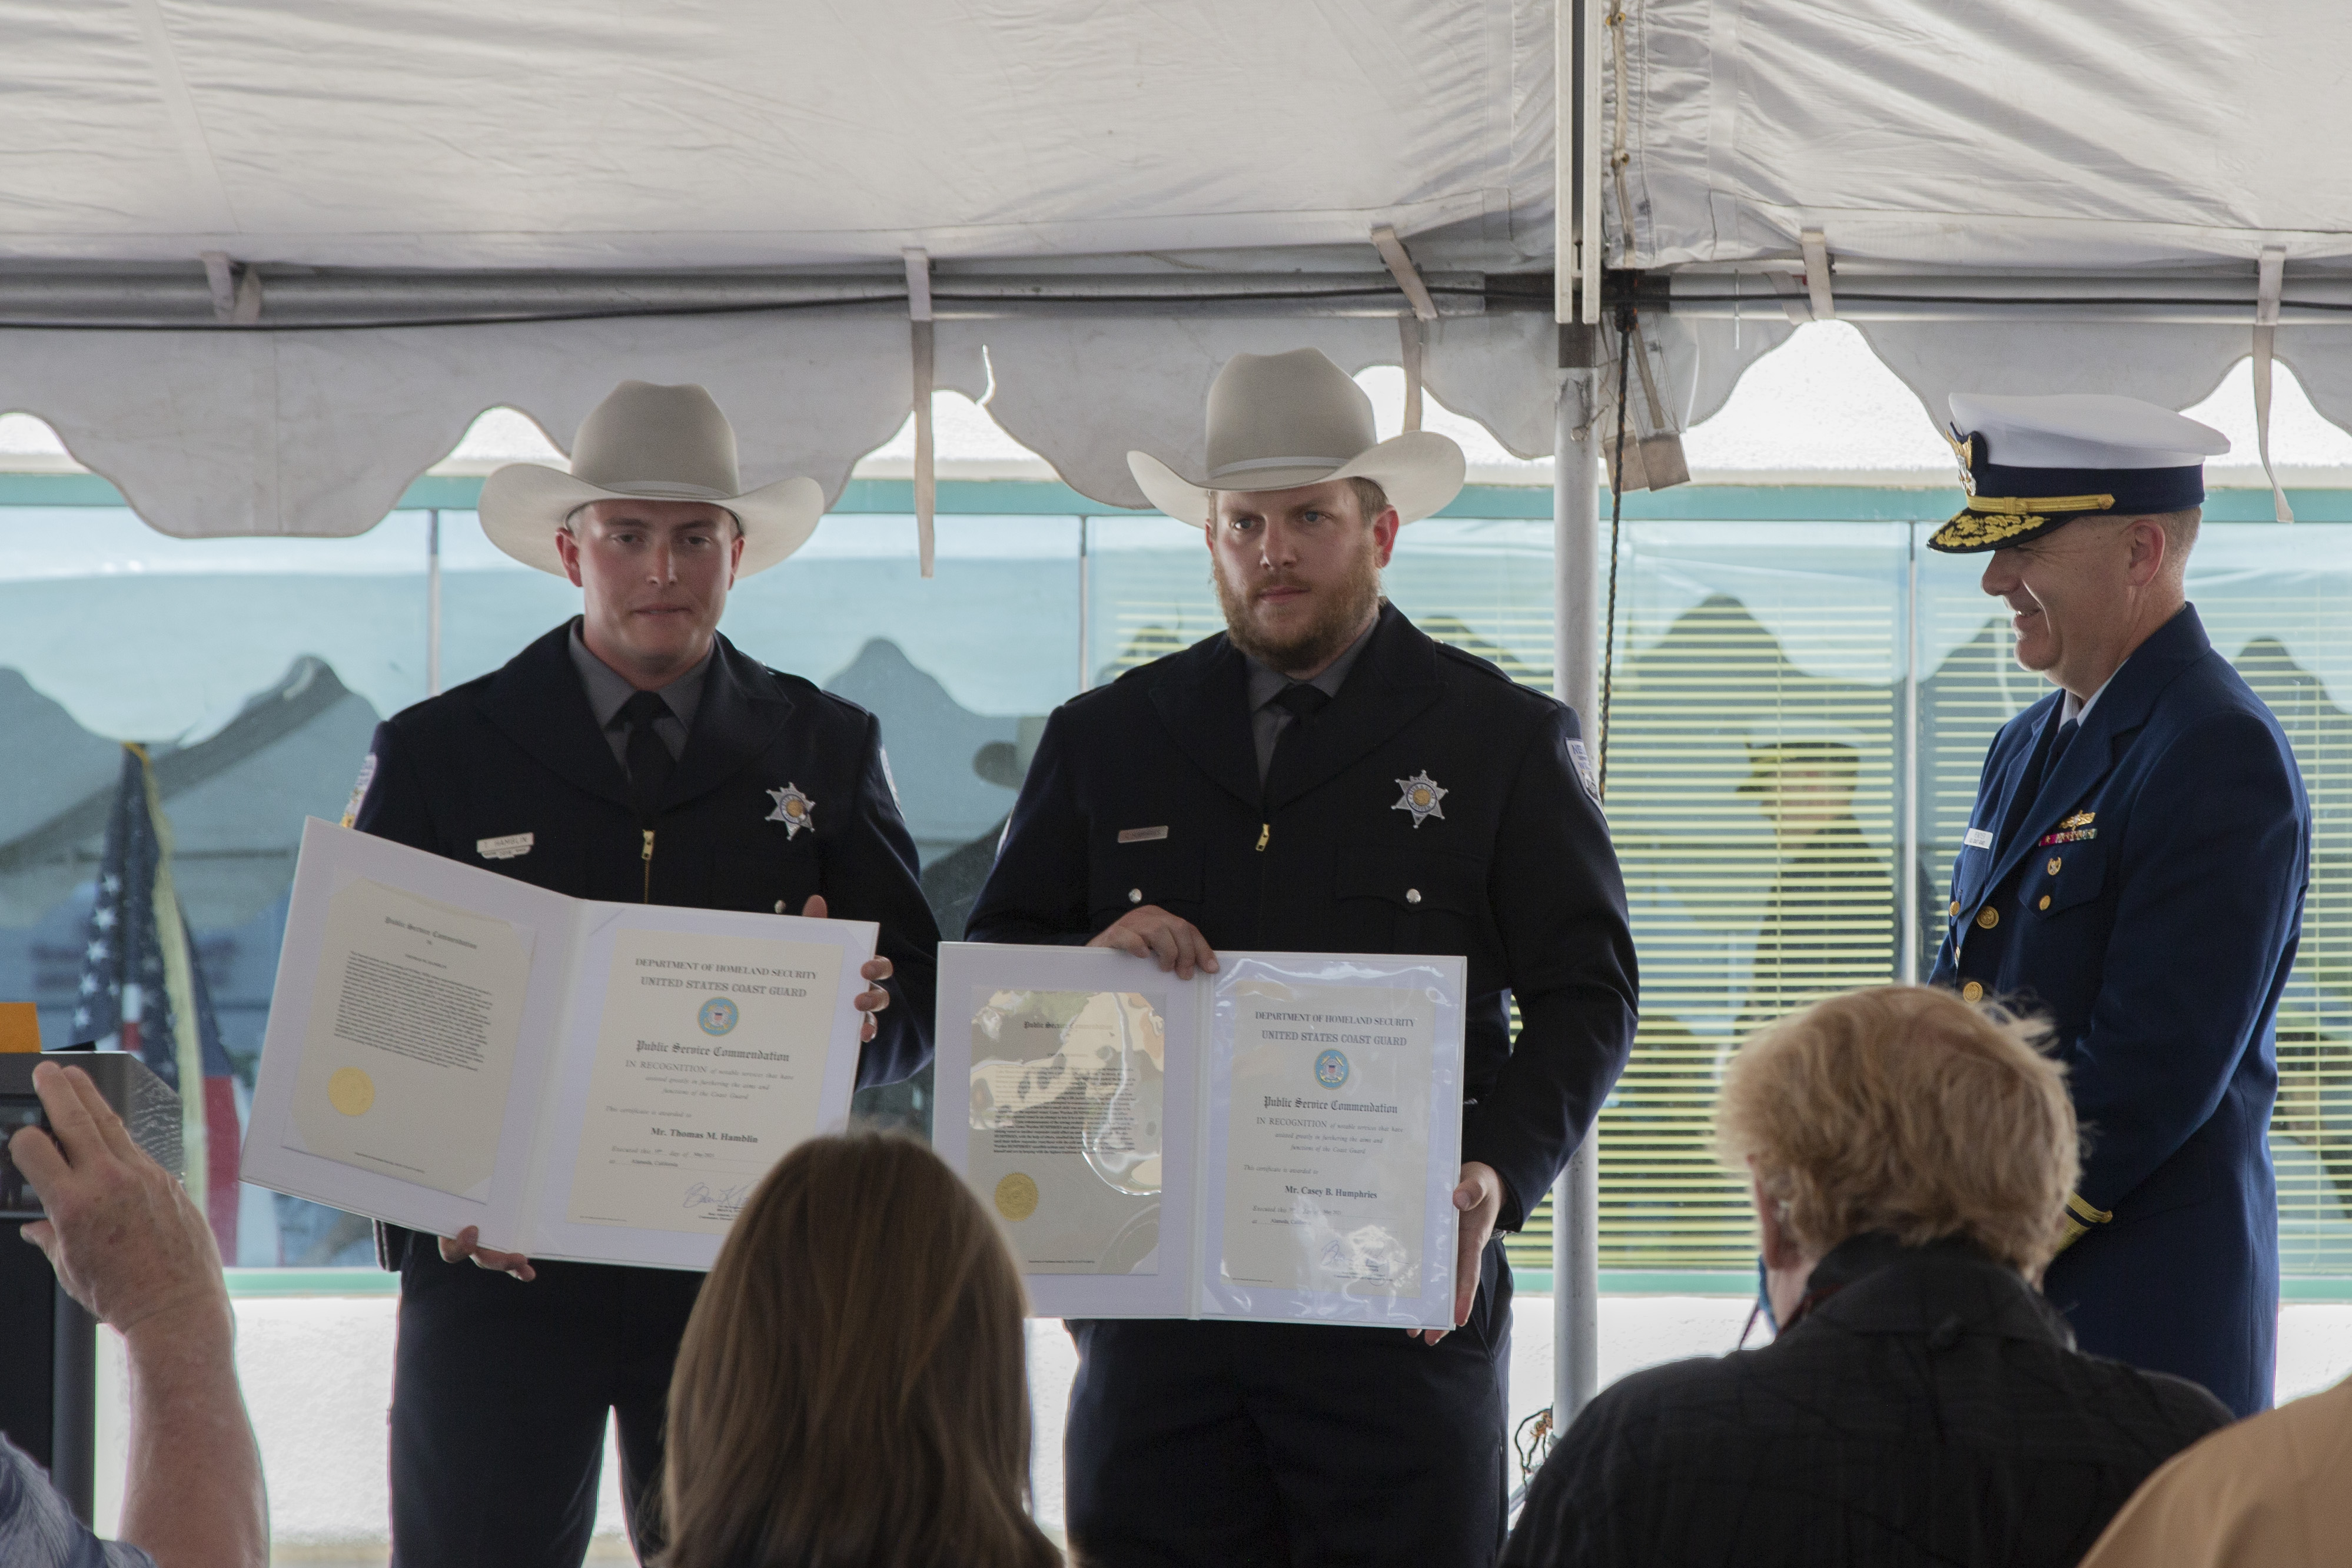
[1923,1403]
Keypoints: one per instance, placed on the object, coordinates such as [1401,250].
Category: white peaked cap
[2084,431]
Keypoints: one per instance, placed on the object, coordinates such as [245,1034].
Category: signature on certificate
[721,1203]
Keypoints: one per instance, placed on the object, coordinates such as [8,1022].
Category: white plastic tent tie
[1817,274]
[919,312]
[2271,281]
[1792,300]
[1424,309]
[220,272]
[1401,267]
[236,288]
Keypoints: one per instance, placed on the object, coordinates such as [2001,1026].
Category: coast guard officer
[631,754]
[2135,869]
[1323,776]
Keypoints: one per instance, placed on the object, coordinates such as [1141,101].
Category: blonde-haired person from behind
[2269,1492]
[1909,1156]
[852,1387]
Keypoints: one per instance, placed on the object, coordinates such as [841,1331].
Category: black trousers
[499,1394]
[1281,1446]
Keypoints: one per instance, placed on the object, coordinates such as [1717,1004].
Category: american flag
[144,991]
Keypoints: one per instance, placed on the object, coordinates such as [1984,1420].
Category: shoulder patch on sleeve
[358,791]
[1581,761]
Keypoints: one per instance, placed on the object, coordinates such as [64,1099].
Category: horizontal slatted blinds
[1744,646]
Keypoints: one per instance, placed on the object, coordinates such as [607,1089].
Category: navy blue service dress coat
[501,1387]
[1253,1442]
[2147,898]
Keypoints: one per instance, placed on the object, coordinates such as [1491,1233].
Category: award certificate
[1278,1141]
[606,1082]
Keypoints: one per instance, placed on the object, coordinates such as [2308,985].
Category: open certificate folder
[606,1082]
[1278,1141]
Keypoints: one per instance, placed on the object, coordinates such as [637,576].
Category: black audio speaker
[48,1345]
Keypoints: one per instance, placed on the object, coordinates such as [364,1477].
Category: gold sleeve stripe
[2078,1209]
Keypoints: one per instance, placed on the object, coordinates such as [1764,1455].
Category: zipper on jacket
[1265,831]
[648,859]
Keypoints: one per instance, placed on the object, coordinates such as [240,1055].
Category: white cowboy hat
[1279,421]
[647,443]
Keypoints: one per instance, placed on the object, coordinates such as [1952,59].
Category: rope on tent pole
[1625,320]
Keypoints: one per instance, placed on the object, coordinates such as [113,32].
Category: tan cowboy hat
[647,443]
[1279,421]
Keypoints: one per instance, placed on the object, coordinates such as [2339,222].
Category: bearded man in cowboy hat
[1322,776]
[2135,869]
[631,754]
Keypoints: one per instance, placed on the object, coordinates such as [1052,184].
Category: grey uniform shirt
[608,690]
[1269,718]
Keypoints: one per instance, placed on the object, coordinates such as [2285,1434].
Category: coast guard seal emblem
[794,809]
[1421,797]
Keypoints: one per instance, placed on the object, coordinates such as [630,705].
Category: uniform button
[1987,917]
[1135,895]
[2054,864]
[1972,992]
[779,906]
[2044,903]
[1412,895]
[1956,906]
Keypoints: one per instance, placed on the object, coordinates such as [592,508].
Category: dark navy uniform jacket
[2148,899]
[519,751]
[1517,876]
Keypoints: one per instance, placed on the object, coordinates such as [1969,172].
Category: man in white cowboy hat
[1324,777]
[632,753]
[2135,869]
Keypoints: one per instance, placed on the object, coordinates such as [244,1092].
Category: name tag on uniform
[1141,834]
[507,848]
[1978,838]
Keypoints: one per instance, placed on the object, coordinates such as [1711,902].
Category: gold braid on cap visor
[1994,519]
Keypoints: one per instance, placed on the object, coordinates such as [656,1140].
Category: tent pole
[1576,564]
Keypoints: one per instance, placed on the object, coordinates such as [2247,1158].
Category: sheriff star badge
[794,809]
[1421,797]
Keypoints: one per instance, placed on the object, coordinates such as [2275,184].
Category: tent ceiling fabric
[2123,134]
[444,133]
[1036,137]
[538,137]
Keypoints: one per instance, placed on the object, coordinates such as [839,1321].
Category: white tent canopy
[2013,198]
[656,175]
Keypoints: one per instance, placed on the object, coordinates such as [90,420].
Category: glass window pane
[1756,739]
[253,671]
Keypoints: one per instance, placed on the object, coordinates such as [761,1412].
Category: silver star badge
[1421,797]
[794,809]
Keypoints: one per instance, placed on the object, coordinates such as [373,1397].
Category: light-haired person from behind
[852,1385]
[1909,1157]
[129,1246]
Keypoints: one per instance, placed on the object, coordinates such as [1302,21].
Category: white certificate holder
[550,1042]
[1369,1064]
[971,972]
[1187,1274]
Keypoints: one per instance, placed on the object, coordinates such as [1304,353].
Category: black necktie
[2066,733]
[649,759]
[2030,786]
[1302,702]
